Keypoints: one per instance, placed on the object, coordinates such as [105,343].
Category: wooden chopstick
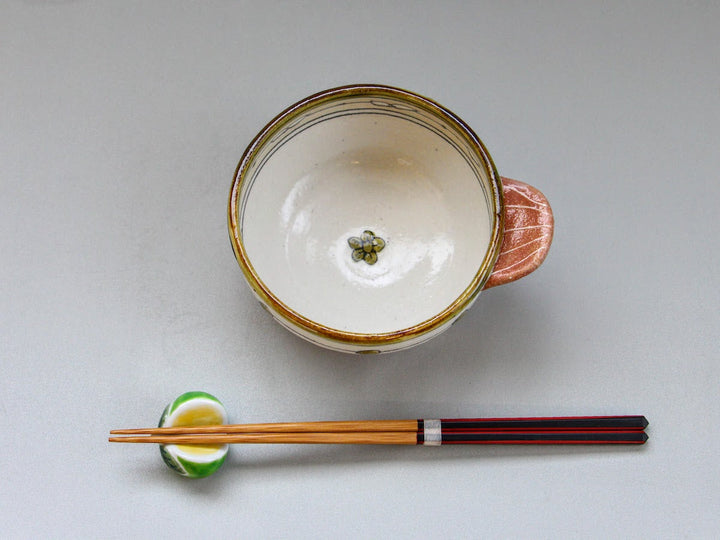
[547,430]
[448,424]
[399,438]
[351,426]
[374,437]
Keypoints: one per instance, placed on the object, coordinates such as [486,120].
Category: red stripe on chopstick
[548,442]
[545,437]
[549,423]
[538,430]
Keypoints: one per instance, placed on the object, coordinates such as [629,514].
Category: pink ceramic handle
[528,233]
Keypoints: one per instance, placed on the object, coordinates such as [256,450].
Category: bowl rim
[462,302]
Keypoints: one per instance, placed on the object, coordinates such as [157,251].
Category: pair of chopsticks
[549,430]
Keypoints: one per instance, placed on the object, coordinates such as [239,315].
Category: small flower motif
[366,247]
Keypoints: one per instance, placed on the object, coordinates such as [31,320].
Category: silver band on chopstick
[432,432]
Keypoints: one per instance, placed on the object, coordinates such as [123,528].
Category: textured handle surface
[528,233]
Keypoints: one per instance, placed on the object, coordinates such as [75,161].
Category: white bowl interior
[355,165]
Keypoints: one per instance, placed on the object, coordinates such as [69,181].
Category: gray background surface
[121,126]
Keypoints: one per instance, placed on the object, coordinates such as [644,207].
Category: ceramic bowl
[368,218]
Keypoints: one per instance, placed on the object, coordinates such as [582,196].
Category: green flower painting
[366,247]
